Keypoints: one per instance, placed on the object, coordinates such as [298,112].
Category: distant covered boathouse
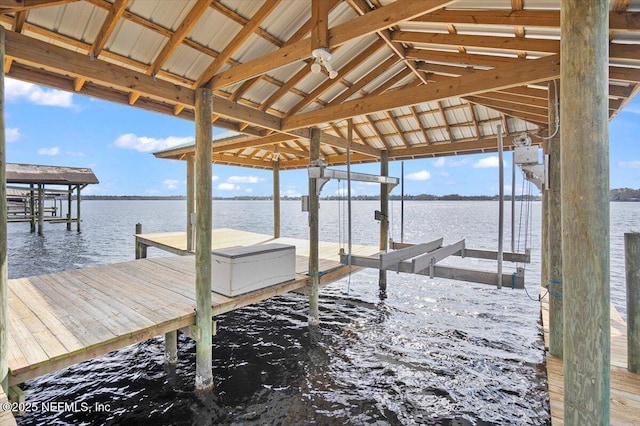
[33,192]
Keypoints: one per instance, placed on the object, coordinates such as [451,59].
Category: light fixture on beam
[323,59]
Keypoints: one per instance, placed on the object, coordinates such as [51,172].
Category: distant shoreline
[621,194]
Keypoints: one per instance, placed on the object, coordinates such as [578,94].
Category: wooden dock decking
[625,385]
[6,416]
[60,319]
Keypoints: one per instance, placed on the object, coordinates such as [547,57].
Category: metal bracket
[323,175]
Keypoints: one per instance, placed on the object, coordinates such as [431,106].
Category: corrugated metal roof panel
[134,41]
[225,30]
[288,101]
[333,92]
[187,62]
[156,12]
[384,77]
[243,8]
[78,20]
[297,13]
[260,91]
[254,47]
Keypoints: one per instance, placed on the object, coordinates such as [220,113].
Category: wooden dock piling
[69,193]
[204,351]
[553,251]
[191,202]
[141,248]
[632,266]
[40,209]
[384,221]
[4,270]
[276,198]
[584,110]
[314,205]
[32,209]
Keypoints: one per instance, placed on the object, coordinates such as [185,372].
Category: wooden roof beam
[486,42]
[467,59]
[341,143]
[19,20]
[530,71]
[237,42]
[535,118]
[179,35]
[342,72]
[42,54]
[515,99]
[366,79]
[619,20]
[320,24]
[109,24]
[423,131]
[14,6]
[379,19]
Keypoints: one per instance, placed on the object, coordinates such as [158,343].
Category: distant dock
[625,385]
[64,318]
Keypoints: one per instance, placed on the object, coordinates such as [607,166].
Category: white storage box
[240,270]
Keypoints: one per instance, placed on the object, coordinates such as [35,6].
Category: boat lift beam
[514,280]
[323,175]
[477,253]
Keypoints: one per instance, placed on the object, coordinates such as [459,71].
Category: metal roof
[256,56]
[52,175]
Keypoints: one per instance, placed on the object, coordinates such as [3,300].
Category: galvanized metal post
[384,220]
[500,204]
[632,264]
[513,202]
[204,352]
[191,202]
[554,231]
[584,139]
[4,270]
[314,205]
[276,198]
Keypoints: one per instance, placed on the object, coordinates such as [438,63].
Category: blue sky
[46,126]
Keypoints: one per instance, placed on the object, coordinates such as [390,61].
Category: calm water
[433,352]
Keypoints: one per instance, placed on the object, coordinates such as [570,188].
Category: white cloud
[629,164]
[16,91]
[487,163]
[443,174]
[170,183]
[249,190]
[146,144]
[214,178]
[421,175]
[152,191]
[49,151]
[227,187]
[12,134]
[75,153]
[439,162]
[458,163]
[244,179]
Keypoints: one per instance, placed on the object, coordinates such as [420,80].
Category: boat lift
[422,258]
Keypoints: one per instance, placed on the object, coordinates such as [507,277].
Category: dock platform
[625,385]
[64,318]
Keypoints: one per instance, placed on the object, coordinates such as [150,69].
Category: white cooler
[240,270]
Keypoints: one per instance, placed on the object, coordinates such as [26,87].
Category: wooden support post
[69,192]
[384,221]
[32,208]
[191,202]
[204,112]
[632,265]
[4,270]
[554,230]
[171,347]
[40,209]
[141,249]
[314,205]
[500,205]
[78,200]
[276,198]
[584,118]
